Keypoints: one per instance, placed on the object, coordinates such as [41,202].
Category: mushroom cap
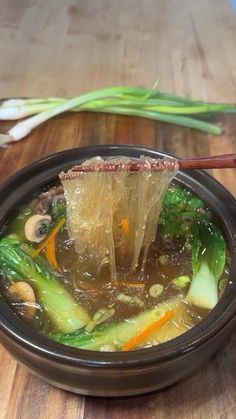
[32,227]
[23,291]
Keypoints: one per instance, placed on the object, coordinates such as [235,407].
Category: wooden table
[63,47]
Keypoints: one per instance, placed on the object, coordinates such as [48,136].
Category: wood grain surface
[66,47]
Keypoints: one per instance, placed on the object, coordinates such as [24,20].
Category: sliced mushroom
[32,227]
[23,292]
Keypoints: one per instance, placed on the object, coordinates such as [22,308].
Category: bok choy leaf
[62,309]
[208,262]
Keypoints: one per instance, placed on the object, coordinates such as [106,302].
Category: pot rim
[221,203]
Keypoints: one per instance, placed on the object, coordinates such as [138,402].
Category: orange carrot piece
[147,331]
[125,225]
[51,254]
[51,235]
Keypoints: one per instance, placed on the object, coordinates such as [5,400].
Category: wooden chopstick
[223,161]
[206,162]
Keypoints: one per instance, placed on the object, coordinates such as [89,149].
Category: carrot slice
[125,225]
[147,331]
[51,254]
[52,234]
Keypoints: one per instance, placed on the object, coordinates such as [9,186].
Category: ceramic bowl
[134,372]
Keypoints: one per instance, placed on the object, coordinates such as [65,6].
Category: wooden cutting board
[210,393]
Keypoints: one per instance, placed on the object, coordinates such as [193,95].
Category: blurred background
[67,47]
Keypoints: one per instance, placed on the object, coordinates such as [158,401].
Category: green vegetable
[58,212]
[180,212]
[181,281]
[208,262]
[222,283]
[163,117]
[119,333]
[122,100]
[62,309]
[183,214]
[18,225]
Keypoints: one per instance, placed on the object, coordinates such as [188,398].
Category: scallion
[123,100]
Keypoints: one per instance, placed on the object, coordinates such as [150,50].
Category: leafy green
[62,309]
[222,283]
[116,335]
[184,214]
[208,262]
[180,212]
[214,242]
[58,211]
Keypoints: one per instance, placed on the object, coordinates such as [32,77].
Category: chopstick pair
[206,162]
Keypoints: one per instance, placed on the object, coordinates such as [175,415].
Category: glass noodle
[112,216]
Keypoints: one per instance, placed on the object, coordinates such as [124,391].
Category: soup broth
[60,278]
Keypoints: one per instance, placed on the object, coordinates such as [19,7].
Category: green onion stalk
[123,100]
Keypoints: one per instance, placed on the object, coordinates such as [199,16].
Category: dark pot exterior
[135,372]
